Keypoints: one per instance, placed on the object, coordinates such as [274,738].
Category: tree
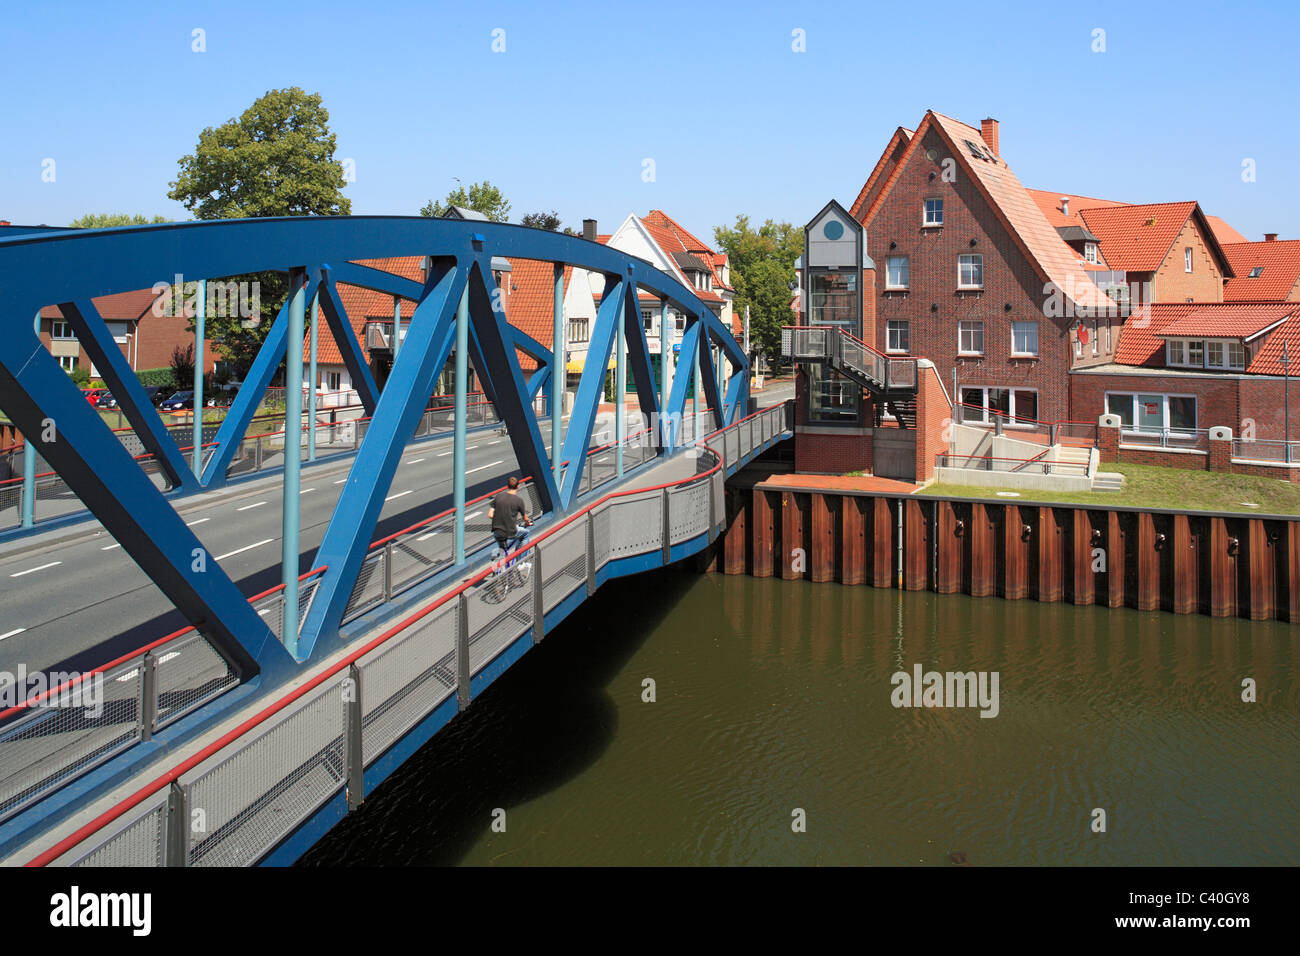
[482,197]
[276,159]
[762,268]
[182,364]
[106,220]
[550,221]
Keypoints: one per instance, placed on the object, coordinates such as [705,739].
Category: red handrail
[108,816]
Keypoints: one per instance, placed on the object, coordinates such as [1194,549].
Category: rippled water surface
[775,696]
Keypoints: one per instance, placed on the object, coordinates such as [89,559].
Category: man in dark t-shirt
[506,512]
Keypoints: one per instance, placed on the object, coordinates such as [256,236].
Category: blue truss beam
[97,340]
[235,424]
[512,401]
[591,387]
[638,355]
[345,338]
[682,380]
[429,339]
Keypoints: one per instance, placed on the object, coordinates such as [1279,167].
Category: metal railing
[1271,451]
[82,720]
[836,346]
[260,781]
[1039,464]
[1185,439]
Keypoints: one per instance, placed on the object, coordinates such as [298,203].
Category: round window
[833,230]
[931,154]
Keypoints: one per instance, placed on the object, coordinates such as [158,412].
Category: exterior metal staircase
[884,377]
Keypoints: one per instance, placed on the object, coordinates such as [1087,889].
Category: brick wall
[1216,397]
[1172,282]
[933,418]
[933,305]
[831,454]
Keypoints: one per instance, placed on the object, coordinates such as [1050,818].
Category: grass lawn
[1148,486]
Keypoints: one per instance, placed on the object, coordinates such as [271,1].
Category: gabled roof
[118,307]
[1140,341]
[1055,262]
[673,238]
[901,138]
[1139,238]
[1224,232]
[1050,204]
[1268,360]
[1229,321]
[1280,264]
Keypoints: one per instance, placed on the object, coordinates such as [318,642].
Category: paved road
[78,604]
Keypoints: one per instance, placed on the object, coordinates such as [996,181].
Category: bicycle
[507,571]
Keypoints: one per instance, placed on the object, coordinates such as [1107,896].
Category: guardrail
[1270,451]
[82,720]
[832,344]
[1034,465]
[1186,439]
[261,780]
[1073,434]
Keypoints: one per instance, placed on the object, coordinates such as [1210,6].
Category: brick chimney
[589,229]
[989,132]
[1270,237]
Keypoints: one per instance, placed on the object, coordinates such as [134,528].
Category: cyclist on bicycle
[505,511]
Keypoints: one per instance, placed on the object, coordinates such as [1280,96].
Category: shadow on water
[541,724]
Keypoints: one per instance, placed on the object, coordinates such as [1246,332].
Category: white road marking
[16,630]
[481,467]
[250,507]
[34,570]
[415,461]
[444,454]
[191,524]
[265,610]
[305,490]
[340,481]
[110,547]
[426,537]
[230,554]
[398,495]
[497,442]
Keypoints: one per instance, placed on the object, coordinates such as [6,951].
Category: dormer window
[1256,272]
[1090,252]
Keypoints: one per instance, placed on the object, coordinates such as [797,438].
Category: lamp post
[1286,403]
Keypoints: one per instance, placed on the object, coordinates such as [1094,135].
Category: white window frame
[1012,421]
[1090,252]
[1175,353]
[61,324]
[1235,344]
[1164,413]
[1016,353]
[1212,345]
[907,273]
[906,329]
[973,259]
[1187,259]
[1096,339]
[647,321]
[333,381]
[68,363]
[961,331]
[579,329]
[926,221]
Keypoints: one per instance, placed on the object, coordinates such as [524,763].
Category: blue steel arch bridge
[363,657]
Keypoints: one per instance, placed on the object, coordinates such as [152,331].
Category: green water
[773,697]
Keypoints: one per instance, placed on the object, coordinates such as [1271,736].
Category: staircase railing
[844,351]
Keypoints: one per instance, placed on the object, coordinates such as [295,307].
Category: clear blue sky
[735,121]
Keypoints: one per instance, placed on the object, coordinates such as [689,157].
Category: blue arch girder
[72,267]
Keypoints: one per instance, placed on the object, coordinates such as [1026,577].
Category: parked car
[160,393]
[178,401]
[93,394]
[106,401]
[224,396]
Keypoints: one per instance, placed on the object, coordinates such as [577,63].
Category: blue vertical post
[558,370]
[665,353]
[397,325]
[697,372]
[200,359]
[311,391]
[29,458]
[620,383]
[292,457]
[458,441]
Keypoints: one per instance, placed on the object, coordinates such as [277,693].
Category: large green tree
[107,220]
[482,197]
[275,159]
[762,268]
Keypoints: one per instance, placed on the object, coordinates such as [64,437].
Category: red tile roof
[1281,264]
[900,138]
[116,307]
[1268,360]
[1223,232]
[1137,238]
[530,301]
[1140,342]
[1229,321]
[672,237]
[1050,203]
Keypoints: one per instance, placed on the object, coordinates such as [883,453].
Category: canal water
[774,711]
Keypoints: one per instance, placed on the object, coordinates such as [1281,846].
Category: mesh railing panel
[564,560]
[635,524]
[257,795]
[600,529]
[406,679]
[139,842]
[688,512]
[497,616]
[368,590]
[46,746]
[189,672]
